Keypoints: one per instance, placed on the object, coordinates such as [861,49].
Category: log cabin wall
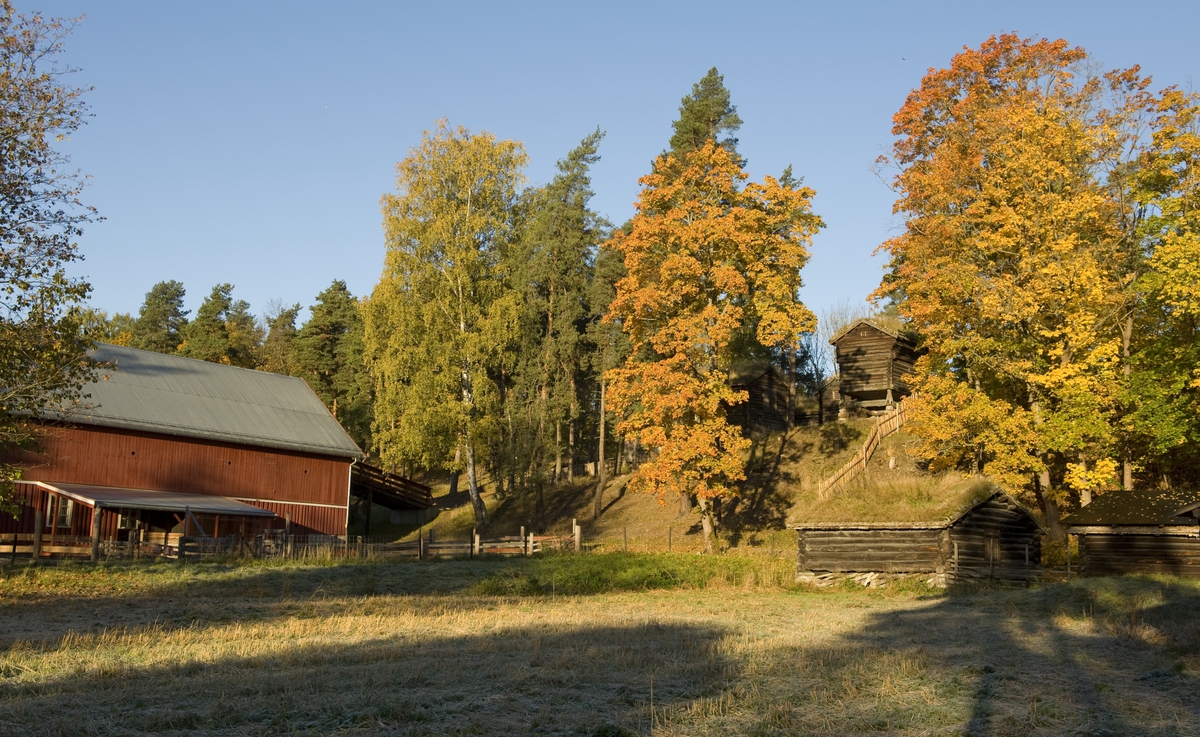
[870,363]
[765,408]
[1107,555]
[312,489]
[992,540]
[833,550]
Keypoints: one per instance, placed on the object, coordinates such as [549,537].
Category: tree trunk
[1042,487]
[1126,340]
[598,495]
[571,436]
[481,515]
[620,456]
[685,504]
[557,452]
[706,521]
[454,475]
[791,413]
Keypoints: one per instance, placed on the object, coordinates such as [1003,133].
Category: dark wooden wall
[1106,555]
[870,362]
[314,489]
[861,551]
[992,540]
[765,408]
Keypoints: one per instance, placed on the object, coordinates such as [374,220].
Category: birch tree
[444,309]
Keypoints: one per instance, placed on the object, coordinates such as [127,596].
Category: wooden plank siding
[765,408]
[870,363]
[1107,555]
[992,539]
[862,551]
[313,488]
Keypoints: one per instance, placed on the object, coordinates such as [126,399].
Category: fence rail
[884,425]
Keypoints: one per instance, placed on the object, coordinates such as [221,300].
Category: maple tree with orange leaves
[708,256]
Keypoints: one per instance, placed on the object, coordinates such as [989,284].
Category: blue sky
[250,142]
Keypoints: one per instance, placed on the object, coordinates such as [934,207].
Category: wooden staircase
[885,425]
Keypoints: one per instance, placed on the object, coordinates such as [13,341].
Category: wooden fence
[884,425]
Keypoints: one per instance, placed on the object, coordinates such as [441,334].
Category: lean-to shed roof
[1144,507]
[172,395]
[875,324]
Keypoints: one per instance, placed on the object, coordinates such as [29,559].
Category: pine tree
[554,262]
[328,354]
[161,320]
[224,331]
[706,114]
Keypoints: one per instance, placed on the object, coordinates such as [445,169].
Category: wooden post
[625,537]
[1068,557]
[13,552]
[38,523]
[956,558]
[522,536]
[478,543]
[97,514]
[578,539]
[530,546]
[421,544]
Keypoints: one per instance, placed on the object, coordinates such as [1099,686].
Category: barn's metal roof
[153,392]
[111,497]
[1144,507]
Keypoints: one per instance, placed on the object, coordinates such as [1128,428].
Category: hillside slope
[783,473]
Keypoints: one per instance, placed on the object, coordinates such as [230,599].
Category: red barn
[164,437]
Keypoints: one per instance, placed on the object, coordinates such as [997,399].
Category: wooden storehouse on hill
[992,538]
[873,363]
[171,445]
[766,405]
[1146,531]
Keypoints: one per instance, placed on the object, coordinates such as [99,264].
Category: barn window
[64,512]
[127,519]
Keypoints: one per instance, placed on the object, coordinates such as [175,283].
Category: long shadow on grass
[1097,657]
[514,678]
[169,597]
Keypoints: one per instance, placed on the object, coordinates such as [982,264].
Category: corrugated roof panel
[158,393]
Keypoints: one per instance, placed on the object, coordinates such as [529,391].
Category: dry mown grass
[698,647]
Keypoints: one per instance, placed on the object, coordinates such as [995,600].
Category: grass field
[587,645]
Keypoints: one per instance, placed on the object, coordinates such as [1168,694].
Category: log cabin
[766,405]
[994,538]
[872,363]
[1144,531]
[166,445]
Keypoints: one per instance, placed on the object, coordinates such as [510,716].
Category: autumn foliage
[708,257]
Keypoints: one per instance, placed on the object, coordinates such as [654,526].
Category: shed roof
[749,371]
[173,395]
[111,497]
[871,324]
[937,503]
[1144,507]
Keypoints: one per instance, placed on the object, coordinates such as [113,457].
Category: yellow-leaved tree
[1015,263]
[708,256]
[444,310]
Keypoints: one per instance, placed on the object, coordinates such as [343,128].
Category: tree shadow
[514,678]
[763,503]
[836,437]
[1063,659]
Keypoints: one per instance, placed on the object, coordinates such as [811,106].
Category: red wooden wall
[314,489]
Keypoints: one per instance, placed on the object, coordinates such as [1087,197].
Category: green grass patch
[609,572]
